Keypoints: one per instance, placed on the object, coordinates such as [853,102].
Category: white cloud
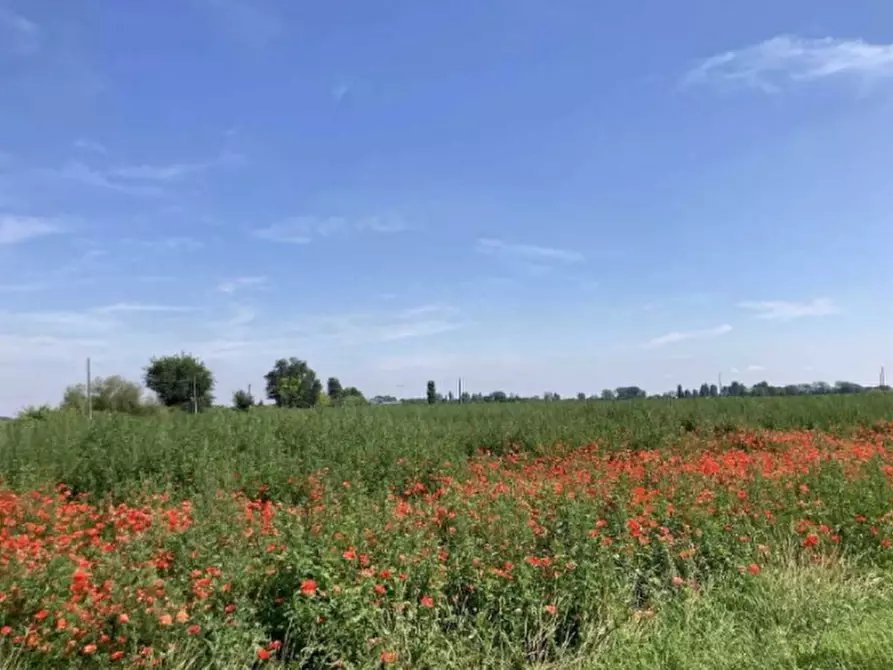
[783,310]
[167,243]
[23,288]
[676,336]
[17,229]
[303,229]
[173,171]
[755,368]
[789,60]
[252,23]
[339,91]
[18,34]
[526,252]
[238,283]
[80,173]
[379,326]
[136,307]
[90,146]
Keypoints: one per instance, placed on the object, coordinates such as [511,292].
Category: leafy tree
[679,392]
[292,383]
[581,396]
[180,381]
[112,394]
[609,394]
[431,393]
[334,390]
[352,396]
[630,392]
[714,391]
[704,391]
[243,400]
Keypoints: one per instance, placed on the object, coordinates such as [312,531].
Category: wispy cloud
[304,229]
[526,252]
[380,326]
[82,174]
[789,60]
[239,283]
[252,23]
[755,368]
[783,310]
[676,336]
[139,180]
[23,288]
[340,91]
[18,34]
[137,307]
[17,229]
[167,243]
[173,171]
[83,144]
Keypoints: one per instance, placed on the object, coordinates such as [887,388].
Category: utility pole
[460,390]
[883,378]
[89,392]
[194,397]
[720,383]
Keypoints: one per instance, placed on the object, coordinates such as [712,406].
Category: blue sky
[536,196]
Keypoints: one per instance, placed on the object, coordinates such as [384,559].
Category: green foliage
[243,400]
[36,413]
[109,394]
[431,393]
[181,381]
[293,384]
[334,390]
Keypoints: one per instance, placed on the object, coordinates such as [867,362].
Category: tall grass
[115,454]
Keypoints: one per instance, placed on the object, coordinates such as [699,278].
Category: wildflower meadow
[714,533]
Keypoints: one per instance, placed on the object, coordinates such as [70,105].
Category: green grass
[114,454]
[829,608]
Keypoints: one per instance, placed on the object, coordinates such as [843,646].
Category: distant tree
[293,384]
[180,381]
[687,393]
[714,391]
[608,394]
[352,392]
[431,394]
[704,391]
[110,394]
[679,392]
[465,397]
[630,392]
[243,400]
[334,390]
[581,396]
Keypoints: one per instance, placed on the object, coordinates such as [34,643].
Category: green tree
[704,391]
[714,391]
[334,390]
[292,383]
[111,394]
[180,381]
[243,400]
[680,393]
[608,394]
[431,393]
[581,396]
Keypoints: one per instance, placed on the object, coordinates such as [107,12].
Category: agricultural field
[710,533]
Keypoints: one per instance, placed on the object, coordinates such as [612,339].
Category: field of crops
[714,533]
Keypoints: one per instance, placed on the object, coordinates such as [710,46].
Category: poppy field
[714,533]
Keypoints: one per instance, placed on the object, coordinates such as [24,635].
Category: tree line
[184,382]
